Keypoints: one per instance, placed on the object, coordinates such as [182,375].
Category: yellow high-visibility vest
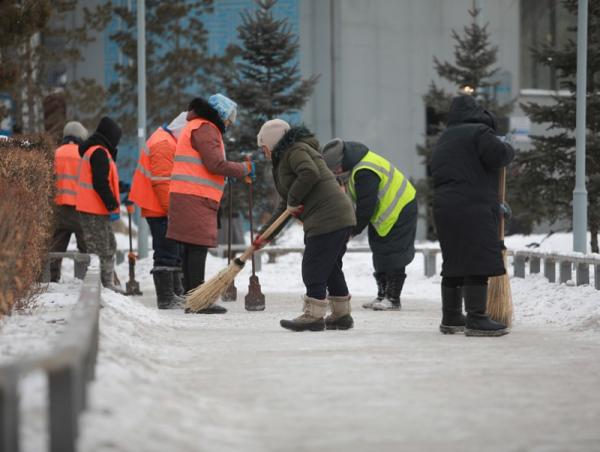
[395,191]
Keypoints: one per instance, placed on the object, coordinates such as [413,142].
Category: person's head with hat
[269,135]
[74,132]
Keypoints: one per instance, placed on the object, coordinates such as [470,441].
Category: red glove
[296,211]
[259,242]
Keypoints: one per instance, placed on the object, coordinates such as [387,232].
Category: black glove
[124,187]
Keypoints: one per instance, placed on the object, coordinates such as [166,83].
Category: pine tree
[547,171]
[177,65]
[265,81]
[472,73]
[25,58]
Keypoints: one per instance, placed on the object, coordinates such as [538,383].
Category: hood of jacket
[97,139]
[353,153]
[466,110]
[295,134]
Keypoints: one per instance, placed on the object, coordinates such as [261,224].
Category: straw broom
[500,305]
[206,294]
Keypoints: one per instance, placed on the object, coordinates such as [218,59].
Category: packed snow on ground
[132,329]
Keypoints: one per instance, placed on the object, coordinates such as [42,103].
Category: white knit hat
[271,132]
[75,129]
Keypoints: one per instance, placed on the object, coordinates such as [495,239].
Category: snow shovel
[132,287]
[206,294]
[500,305]
[230,293]
[255,299]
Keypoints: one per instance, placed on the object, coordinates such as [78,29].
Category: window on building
[542,22]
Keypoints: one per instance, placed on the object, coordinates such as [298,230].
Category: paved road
[242,383]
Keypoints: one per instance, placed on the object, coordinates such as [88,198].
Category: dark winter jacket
[465,168]
[302,178]
[108,135]
[397,249]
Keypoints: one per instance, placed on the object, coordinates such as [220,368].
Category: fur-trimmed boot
[381,280]
[312,318]
[453,320]
[391,302]
[340,318]
[163,283]
[478,323]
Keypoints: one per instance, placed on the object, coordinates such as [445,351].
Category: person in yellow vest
[66,170]
[197,183]
[385,201]
[150,191]
[97,199]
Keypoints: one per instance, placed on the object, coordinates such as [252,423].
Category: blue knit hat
[226,108]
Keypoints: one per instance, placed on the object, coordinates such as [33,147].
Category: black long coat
[465,168]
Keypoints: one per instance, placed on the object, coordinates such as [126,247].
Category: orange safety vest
[66,170]
[142,192]
[88,199]
[189,175]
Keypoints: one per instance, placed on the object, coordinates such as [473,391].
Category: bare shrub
[26,193]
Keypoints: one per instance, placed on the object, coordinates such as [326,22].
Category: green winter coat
[302,178]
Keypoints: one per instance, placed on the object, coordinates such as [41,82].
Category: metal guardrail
[566,263]
[429,254]
[69,366]
[81,263]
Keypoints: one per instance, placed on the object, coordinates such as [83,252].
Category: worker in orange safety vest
[197,183]
[150,191]
[97,199]
[66,170]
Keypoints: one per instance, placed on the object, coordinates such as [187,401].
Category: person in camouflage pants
[100,240]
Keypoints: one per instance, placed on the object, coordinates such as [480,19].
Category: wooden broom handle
[265,235]
[501,197]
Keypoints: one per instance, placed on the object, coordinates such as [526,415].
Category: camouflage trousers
[100,240]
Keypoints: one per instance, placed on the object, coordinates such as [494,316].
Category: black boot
[453,320]
[381,280]
[391,302]
[163,283]
[178,283]
[210,309]
[478,323]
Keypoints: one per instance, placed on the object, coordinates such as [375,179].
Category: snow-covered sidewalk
[167,381]
[174,382]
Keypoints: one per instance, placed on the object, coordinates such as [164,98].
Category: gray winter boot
[453,320]
[478,323]
[340,318]
[381,279]
[312,318]
[391,302]
[107,274]
[163,283]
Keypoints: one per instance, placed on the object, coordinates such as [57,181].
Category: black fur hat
[202,108]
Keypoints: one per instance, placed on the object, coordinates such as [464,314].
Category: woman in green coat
[310,192]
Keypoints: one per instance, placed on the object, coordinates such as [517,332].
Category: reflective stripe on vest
[394,192]
[142,192]
[66,170]
[87,199]
[189,175]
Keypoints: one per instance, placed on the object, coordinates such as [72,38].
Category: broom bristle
[208,293]
[500,305]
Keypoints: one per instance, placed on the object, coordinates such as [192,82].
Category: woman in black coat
[465,167]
